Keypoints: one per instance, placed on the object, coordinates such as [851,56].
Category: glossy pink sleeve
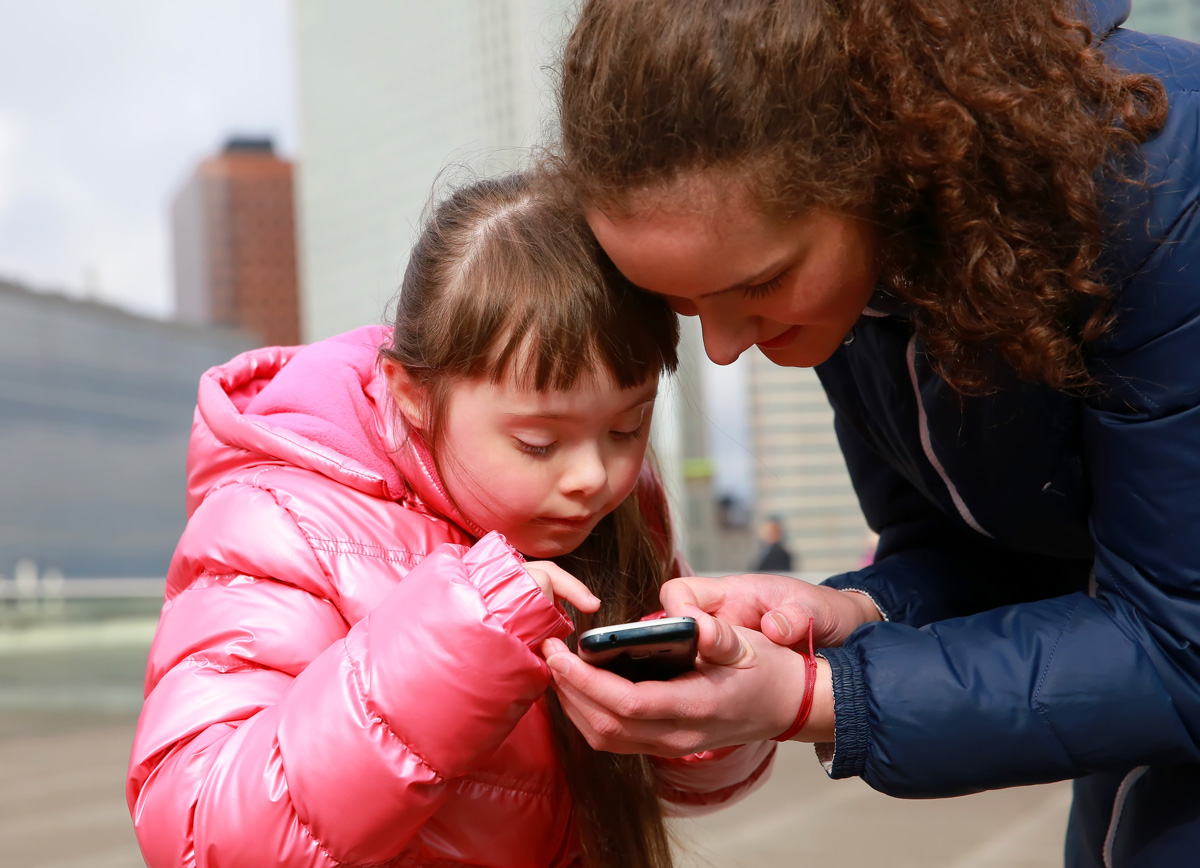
[256,748]
[705,782]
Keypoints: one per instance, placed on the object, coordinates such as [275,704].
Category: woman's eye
[760,289]
[531,449]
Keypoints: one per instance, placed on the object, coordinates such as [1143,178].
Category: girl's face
[794,286]
[544,467]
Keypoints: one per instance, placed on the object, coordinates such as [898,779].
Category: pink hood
[324,407]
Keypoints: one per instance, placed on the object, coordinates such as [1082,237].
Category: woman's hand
[778,606]
[752,695]
[557,584]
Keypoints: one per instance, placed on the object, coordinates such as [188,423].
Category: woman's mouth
[780,340]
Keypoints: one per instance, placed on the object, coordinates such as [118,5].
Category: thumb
[718,642]
[787,624]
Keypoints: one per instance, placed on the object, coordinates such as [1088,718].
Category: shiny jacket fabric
[1039,555]
[344,672]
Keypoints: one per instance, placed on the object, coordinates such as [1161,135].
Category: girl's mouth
[569,522]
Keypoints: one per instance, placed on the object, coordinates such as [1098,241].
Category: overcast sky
[105,108]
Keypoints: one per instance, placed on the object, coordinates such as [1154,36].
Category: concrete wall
[95,409]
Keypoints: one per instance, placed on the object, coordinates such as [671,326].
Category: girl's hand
[752,697]
[557,584]
[778,606]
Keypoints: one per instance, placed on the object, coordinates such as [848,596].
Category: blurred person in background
[773,556]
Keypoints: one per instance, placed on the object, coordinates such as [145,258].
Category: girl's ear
[408,395]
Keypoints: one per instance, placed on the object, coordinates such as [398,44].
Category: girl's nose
[586,474]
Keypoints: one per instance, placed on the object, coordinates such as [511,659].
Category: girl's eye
[531,449]
[758,290]
[636,434]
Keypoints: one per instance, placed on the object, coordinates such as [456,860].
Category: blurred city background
[180,182]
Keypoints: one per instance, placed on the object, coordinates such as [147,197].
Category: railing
[29,599]
[50,587]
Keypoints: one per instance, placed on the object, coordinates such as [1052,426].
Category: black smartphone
[643,650]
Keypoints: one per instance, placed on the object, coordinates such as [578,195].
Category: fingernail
[781,624]
[717,632]
[558,663]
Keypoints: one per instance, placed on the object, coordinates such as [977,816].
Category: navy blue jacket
[1047,547]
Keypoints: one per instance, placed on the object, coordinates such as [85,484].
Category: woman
[979,222]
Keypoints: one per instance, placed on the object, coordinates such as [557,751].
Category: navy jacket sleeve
[1055,688]
[926,567]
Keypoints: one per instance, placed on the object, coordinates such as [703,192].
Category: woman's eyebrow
[761,277]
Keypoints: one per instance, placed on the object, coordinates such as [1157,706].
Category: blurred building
[234,237]
[96,406]
[395,99]
[800,475]
[1172,17]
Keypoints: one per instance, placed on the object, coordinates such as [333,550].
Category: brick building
[235,243]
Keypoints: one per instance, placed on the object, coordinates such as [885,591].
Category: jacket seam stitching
[333,586]
[346,546]
[1129,382]
[277,432]
[371,709]
[468,781]
[313,837]
[1042,710]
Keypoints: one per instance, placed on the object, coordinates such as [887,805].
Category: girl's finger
[565,586]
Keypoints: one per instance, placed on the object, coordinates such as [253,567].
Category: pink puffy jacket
[345,669]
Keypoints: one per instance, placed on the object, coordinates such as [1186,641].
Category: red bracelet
[810,687]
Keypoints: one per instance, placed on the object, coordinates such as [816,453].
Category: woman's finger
[691,594]
[718,642]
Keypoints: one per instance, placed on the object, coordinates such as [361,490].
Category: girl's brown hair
[506,281]
[980,135]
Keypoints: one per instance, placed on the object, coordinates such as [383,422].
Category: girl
[346,668]
[979,221]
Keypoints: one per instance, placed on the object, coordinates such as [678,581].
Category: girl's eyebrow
[643,398]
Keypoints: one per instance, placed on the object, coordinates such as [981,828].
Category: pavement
[68,705]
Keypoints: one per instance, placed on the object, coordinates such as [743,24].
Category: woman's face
[793,286]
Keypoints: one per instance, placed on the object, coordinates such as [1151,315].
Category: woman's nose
[726,338]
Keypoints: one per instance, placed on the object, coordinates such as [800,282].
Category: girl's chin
[544,547]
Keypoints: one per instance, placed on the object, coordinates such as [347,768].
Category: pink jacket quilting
[344,671]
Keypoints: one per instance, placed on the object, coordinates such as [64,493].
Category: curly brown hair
[981,135]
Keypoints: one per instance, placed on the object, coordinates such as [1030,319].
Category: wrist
[820,724]
[866,606]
